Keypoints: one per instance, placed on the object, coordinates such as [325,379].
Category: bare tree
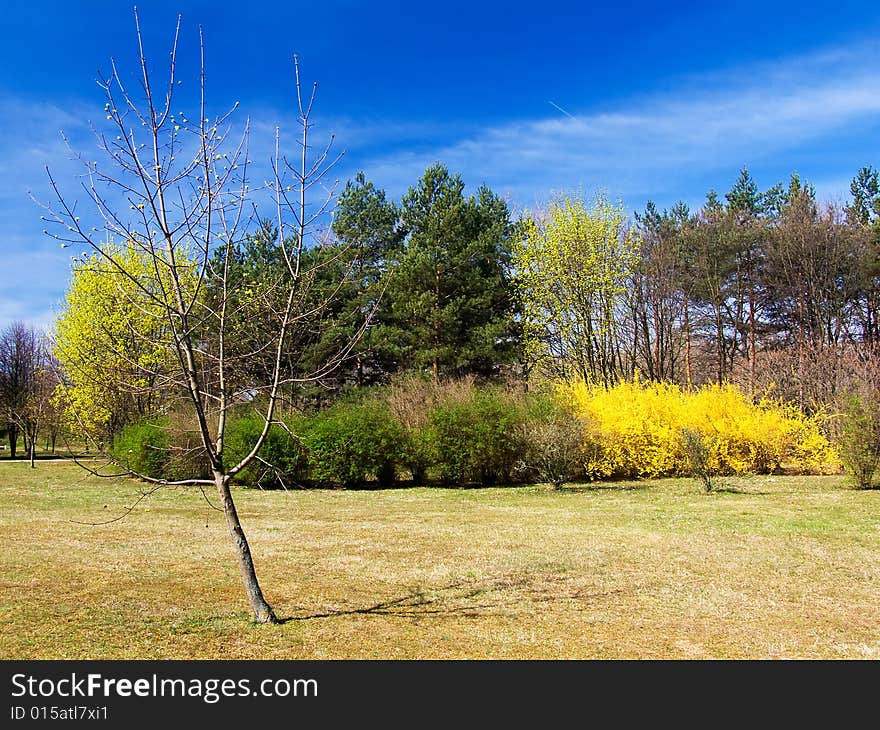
[26,384]
[179,192]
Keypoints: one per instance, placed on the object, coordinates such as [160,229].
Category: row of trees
[761,288]
[764,289]
[771,288]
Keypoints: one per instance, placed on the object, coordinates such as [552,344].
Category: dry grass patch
[767,567]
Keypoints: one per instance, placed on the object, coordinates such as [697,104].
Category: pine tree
[368,233]
[450,304]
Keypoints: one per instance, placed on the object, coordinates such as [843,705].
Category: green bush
[477,440]
[143,447]
[186,452]
[281,462]
[418,452]
[350,443]
[697,450]
[552,442]
[858,439]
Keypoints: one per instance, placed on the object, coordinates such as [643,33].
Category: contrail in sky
[561,109]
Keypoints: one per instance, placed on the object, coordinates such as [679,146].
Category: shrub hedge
[353,443]
[460,434]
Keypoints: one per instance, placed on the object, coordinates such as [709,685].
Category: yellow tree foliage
[635,430]
[112,341]
[572,267]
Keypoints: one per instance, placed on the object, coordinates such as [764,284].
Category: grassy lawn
[768,567]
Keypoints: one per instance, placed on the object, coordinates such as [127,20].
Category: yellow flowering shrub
[635,430]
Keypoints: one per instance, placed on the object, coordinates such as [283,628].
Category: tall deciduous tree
[112,341]
[573,267]
[660,295]
[187,206]
[745,208]
[811,278]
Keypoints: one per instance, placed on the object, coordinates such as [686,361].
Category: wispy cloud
[660,145]
[675,142]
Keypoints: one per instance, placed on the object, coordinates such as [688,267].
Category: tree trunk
[687,344]
[32,437]
[436,363]
[13,441]
[752,347]
[657,368]
[800,354]
[719,344]
[262,610]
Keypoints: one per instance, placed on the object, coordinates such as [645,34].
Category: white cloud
[658,145]
[664,145]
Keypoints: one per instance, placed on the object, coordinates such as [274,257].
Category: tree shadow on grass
[735,490]
[580,488]
[726,487]
[413,604]
[459,598]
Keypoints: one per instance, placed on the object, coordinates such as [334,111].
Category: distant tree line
[764,289]
[756,287]
[759,288]
[28,381]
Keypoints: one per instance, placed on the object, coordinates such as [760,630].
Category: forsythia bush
[635,430]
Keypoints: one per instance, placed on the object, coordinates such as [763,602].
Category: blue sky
[654,101]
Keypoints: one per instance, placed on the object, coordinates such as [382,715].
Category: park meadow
[761,567]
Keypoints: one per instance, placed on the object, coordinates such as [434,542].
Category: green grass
[767,567]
